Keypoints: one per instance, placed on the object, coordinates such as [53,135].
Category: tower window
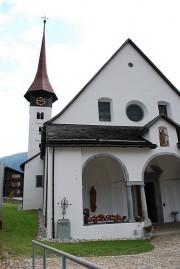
[104,111]
[162,110]
[38,115]
[40,129]
[42,115]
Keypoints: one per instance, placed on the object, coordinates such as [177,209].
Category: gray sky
[81,35]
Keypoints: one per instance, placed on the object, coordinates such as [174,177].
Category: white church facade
[111,157]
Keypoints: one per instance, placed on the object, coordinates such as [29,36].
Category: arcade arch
[108,177]
[162,187]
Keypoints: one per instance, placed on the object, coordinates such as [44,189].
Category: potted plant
[148,228]
[148,231]
[139,219]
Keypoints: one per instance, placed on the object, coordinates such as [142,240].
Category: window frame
[104,113]
[129,111]
[162,108]
[39,184]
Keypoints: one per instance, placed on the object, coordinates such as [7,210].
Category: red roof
[41,81]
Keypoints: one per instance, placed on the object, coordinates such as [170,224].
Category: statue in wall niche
[93,199]
[163,137]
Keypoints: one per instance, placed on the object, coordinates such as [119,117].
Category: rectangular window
[104,111]
[39,181]
[16,175]
[162,110]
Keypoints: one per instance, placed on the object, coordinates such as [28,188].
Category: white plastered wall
[123,85]
[68,183]
[34,124]
[32,196]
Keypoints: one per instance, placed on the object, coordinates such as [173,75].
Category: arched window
[163,137]
[42,115]
[38,115]
[164,108]
[104,109]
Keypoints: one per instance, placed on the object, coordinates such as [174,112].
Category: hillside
[14,160]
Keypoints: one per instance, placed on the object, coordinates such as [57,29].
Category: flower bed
[106,218]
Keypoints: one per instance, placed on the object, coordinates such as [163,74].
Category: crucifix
[64,206]
[44,18]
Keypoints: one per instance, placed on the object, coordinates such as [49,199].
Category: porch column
[130,204]
[144,204]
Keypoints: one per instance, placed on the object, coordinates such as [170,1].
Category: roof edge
[146,127]
[23,164]
[106,63]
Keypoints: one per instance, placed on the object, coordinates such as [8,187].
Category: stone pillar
[130,204]
[144,205]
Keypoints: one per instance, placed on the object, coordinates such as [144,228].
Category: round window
[134,112]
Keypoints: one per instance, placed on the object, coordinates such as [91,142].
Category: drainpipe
[53,232]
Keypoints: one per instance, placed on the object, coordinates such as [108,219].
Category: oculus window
[134,113]
[104,111]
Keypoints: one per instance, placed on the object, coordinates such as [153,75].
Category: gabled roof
[13,170]
[128,41]
[73,135]
[41,81]
[146,127]
[30,159]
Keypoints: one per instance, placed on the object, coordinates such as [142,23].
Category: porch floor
[166,228]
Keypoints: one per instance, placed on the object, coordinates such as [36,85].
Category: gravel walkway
[166,255]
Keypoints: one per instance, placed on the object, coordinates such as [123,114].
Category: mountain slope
[14,160]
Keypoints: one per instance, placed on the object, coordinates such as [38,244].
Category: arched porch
[108,178]
[162,188]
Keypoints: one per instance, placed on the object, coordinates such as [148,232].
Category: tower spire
[41,82]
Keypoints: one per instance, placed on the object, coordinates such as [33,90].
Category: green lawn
[21,227]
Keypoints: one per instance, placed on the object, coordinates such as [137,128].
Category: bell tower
[41,96]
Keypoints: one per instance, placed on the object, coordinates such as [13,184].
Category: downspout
[46,201]
[53,232]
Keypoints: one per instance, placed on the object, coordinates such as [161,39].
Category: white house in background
[114,151]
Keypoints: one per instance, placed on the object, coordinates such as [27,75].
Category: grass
[21,227]
[105,248]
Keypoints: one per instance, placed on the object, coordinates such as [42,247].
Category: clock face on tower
[40,101]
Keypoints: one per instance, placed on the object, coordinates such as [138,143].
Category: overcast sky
[80,37]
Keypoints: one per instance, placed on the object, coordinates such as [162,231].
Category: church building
[109,163]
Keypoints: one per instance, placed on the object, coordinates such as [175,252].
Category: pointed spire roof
[41,81]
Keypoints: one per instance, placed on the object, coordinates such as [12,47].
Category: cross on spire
[44,19]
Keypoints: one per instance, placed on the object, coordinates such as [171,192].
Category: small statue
[163,137]
[93,199]
[86,215]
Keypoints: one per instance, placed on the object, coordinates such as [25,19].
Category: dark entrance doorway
[151,201]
